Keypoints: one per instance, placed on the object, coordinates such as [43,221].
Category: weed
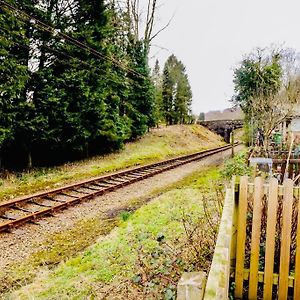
[125,215]
[236,166]
[158,271]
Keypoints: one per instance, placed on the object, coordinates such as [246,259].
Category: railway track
[19,211]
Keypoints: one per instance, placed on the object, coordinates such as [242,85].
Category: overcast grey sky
[211,37]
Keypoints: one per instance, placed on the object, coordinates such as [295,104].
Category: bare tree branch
[141,21]
[162,29]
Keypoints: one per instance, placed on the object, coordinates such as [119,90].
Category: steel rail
[84,190]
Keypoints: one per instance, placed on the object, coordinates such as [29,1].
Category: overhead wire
[59,52]
[43,26]
[67,62]
[72,57]
[50,29]
[52,50]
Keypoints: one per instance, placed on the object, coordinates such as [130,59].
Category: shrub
[236,166]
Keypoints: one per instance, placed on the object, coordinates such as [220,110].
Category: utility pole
[232,142]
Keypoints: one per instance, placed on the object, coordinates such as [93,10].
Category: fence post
[287,211]
[217,286]
[235,195]
[255,237]
[191,286]
[270,238]
[241,237]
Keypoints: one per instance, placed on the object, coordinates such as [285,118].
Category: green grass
[117,257]
[157,145]
[56,248]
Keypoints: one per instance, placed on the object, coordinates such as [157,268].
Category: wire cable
[67,62]
[66,37]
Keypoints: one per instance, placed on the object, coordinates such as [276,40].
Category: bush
[236,166]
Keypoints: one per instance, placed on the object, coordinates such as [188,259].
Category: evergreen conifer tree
[176,92]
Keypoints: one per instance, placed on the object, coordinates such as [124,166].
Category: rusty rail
[29,208]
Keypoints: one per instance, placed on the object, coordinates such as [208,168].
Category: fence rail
[217,286]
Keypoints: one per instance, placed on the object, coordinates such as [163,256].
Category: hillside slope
[157,145]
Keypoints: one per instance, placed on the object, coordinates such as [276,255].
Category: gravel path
[22,242]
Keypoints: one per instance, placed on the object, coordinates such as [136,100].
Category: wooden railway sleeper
[68,195]
[58,200]
[22,209]
[110,183]
[90,188]
[117,180]
[96,186]
[106,182]
[39,204]
[120,179]
[142,172]
[131,178]
[99,184]
[139,172]
[50,198]
[154,168]
[8,218]
[130,175]
[80,192]
[136,174]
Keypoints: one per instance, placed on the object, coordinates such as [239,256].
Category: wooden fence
[257,254]
[269,212]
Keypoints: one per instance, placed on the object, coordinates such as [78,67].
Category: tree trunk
[29,160]
[266,142]
[87,150]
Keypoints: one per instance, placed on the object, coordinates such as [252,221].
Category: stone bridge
[223,127]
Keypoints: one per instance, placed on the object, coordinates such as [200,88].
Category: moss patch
[56,248]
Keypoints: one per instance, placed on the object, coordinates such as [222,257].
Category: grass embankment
[142,258]
[157,145]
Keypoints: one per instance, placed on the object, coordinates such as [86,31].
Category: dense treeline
[60,101]
[75,80]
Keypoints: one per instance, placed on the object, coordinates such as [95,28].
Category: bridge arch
[223,127]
